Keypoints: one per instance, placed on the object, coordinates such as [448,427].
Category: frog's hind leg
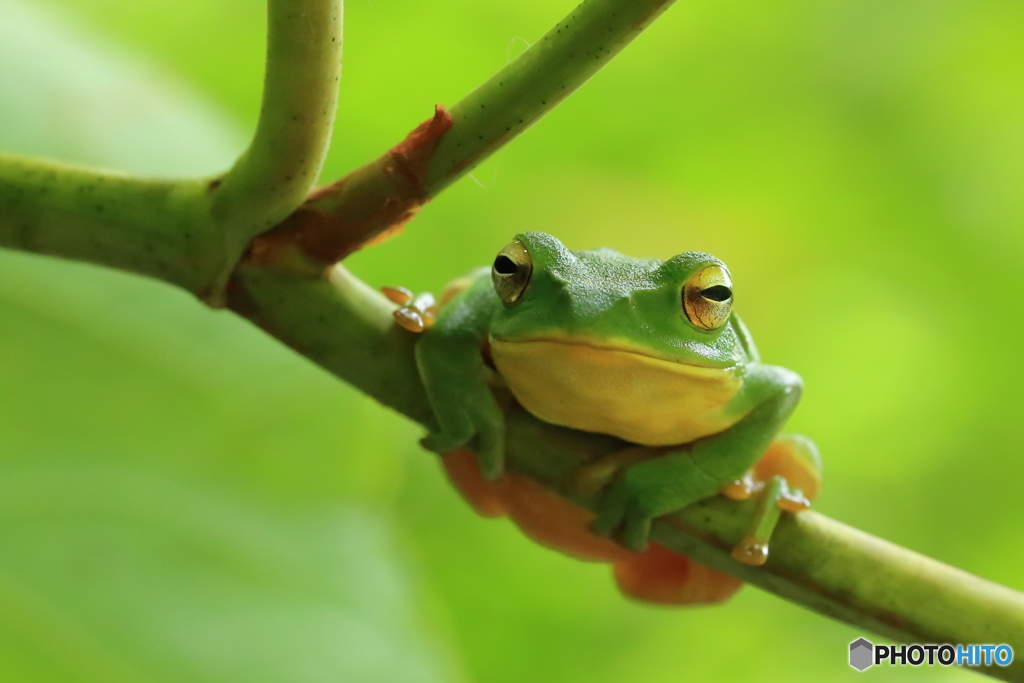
[795,458]
[556,523]
[667,578]
[464,474]
[544,516]
[657,575]
[786,478]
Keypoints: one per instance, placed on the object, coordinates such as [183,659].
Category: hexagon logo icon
[861,654]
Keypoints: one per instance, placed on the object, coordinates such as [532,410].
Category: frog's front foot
[489,449]
[786,478]
[642,492]
[414,313]
[481,421]
[624,511]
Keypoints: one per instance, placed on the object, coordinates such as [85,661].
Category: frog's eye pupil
[503,265]
[717,293]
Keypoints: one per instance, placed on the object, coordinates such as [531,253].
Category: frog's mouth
[613,347]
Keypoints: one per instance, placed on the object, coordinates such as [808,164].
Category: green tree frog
[645,350]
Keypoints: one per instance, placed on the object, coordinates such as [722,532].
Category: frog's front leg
[676,479]
[456,377]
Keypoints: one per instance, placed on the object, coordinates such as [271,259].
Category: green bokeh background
[183,499]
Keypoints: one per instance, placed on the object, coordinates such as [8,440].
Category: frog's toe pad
[742,489]
[414,313]
[398,295]
[794,502]
[411,319]
[750,551]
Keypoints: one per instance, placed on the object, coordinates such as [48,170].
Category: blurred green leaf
[178,497]
[113,575]
[68,96]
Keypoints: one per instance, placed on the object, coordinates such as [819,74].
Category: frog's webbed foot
[623,510]
[469,415]
[663,577]
[615,503]
[482,420]
[414,313]
[786,478]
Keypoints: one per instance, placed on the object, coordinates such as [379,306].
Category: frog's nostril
[503,265]
[717,293]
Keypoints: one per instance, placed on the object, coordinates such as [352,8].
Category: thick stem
[345,327]
[339,323]
[192,233]
[151,227]
[371,201]
[814,561]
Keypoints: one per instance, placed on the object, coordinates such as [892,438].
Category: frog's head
[676,310]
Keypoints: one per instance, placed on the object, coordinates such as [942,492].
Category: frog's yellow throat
[635,397]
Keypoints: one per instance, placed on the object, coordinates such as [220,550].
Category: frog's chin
[620,391]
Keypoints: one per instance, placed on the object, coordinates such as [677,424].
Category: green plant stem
[814,561]
[359,207]
[537,80]
[828,567]
[150,227]
[300,95]
[330,320]
[192,233]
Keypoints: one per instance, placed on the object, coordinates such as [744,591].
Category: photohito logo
[864,654]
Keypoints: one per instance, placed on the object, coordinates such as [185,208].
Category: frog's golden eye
[511,272]
[707,298]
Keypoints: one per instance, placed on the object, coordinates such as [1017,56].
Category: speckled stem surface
[158,228]
[814,561]
[545,74]
[192,233]
[300,97]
